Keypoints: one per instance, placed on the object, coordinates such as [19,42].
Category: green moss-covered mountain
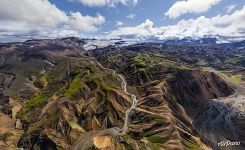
[57,95]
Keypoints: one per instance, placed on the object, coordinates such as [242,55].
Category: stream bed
[220,123]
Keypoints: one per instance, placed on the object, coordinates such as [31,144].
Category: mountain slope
[71,98]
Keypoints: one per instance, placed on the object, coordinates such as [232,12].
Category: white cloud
[141,31]
[131,16]
[85,23]
[190,6]
[38,12]
[229,8]
[41,18]
[111,3]
[119,23]
[232,25]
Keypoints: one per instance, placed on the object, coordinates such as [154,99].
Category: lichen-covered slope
[70,104]
[71,99]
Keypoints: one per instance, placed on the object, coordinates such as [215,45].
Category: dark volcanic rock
[193,89]
[36,141]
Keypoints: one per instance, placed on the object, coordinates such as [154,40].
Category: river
[123,130]
[115,131]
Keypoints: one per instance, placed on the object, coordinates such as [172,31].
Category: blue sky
[144,9]
[161,19]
